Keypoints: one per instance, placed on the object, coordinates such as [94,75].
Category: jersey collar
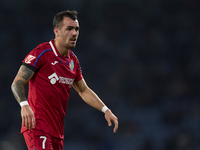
[55,51]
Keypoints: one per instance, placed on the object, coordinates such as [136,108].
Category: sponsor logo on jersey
[54,78]
[71,65]
[29,59]
[66,80]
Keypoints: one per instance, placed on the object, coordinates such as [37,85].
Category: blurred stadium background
[141,57]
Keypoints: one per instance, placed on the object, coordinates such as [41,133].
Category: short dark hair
[58,18]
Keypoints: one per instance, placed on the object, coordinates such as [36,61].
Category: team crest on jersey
[29,58]
[71,65]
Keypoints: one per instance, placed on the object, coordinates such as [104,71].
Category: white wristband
[104,108]
[24,103]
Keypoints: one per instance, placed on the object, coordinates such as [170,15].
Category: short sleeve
[79,75]
[34,58]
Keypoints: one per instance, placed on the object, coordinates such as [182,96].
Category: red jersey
[50,86]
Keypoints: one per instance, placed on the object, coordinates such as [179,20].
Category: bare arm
[23,76]
[88,95]
[91,98]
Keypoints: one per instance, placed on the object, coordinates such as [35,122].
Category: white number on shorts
[44,141]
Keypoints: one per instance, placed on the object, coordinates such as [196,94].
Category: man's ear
[55,30]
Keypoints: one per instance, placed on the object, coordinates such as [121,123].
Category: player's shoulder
[72,54]
[42,47]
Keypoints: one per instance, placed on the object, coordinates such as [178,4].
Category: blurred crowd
[141,57]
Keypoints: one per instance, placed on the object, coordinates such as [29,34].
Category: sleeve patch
[29,59]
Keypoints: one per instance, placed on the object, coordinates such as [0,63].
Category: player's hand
[28,118]
[110,117]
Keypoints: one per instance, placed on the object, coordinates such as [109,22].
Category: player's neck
[61,49]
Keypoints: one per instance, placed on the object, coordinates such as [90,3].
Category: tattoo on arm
[25,73]
[23,76]
[19,91]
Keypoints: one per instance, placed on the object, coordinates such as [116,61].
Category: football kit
[50,86]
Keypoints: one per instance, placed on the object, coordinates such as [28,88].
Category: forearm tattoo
[23,76]
[19,91]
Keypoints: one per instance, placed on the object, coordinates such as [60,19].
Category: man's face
[67,34]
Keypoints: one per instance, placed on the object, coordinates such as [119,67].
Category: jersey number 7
[44,141]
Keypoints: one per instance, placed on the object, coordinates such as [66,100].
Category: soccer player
[51,70]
